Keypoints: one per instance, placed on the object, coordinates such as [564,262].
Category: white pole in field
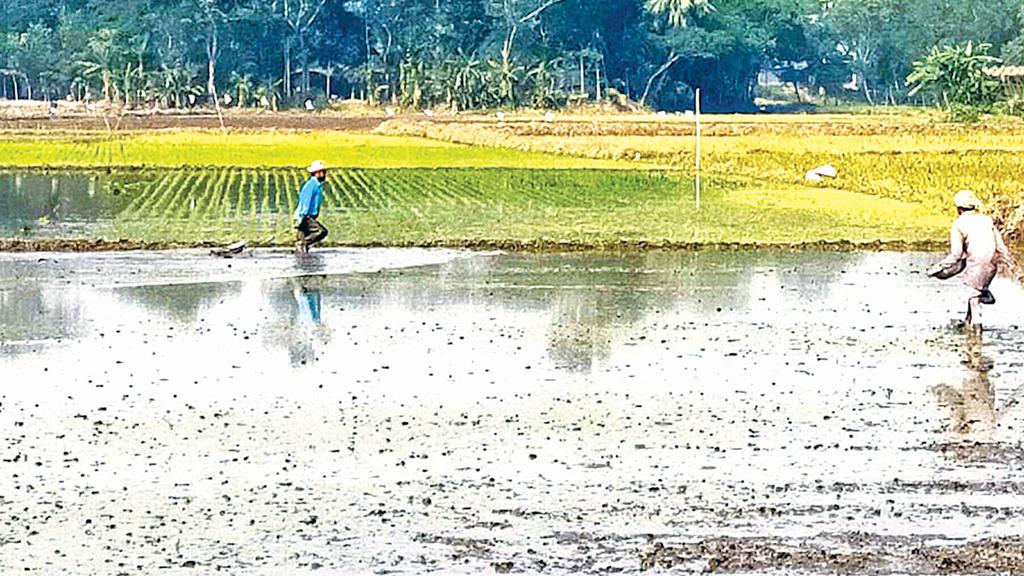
[696,187]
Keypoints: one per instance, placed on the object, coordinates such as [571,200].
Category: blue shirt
[310,197]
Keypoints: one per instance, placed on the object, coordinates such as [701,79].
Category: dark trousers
[310,231]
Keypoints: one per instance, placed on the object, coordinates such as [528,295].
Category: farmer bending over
[310,230]
[976,249]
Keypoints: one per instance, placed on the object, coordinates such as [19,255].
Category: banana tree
[105,60]
[468,80]
[956,74]
[411,76]
[543,79]
[242,85]
[177,85]
[502,78]
[267,93]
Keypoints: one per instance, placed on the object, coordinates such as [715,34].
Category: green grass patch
[457,206]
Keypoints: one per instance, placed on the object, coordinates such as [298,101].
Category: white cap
[967,200]
[317,166]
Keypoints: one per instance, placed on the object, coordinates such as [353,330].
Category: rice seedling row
[139,198]
[255,196]
[206,185]
[453,205]
[291,193]
[333,194]
[349,187]
[413,193]
[376,191]
[216,187]
[361,190]
[230,194]
[448,187]
[408,191]
[161,194]
[174,197]
[189,191]
[276,186]
[443,188]
[408,200]
[148,194]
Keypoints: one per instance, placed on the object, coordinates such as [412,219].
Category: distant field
[587,181]
[893,156]
[267,148]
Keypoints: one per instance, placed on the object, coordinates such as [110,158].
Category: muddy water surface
[426,411]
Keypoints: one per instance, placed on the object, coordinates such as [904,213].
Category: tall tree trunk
[583,80]
[287,70]
[672,59]
[506,63]
[108,92]
[597,81]
[305,65]
[126,82]
[368,96]
[14,81]
[211,62]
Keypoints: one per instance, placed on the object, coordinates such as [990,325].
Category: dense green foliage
[468,54]
[956,76]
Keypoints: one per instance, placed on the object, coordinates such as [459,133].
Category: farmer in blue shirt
[310,230]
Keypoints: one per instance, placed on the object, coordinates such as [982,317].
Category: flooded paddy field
[447,207]
[414,411]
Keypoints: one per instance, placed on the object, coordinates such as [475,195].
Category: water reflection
[184,304]
[59,203]
[972,405]
[308,301]
[29,314]
[296,321]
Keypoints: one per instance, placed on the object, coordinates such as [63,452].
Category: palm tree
[678,10]
[243,87]
[104,61]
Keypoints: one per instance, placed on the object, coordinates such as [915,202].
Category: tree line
[473,54]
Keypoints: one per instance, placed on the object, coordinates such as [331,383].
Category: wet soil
[407,411]
[859,554]
[100,245]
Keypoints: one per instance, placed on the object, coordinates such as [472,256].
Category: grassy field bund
[575,181]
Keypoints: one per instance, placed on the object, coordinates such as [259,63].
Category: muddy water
[429,411]
[58,204]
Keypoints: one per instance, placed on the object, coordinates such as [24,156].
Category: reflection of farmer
[310,230]
[308,301]
[308,329]
[977,250]
[973,405]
